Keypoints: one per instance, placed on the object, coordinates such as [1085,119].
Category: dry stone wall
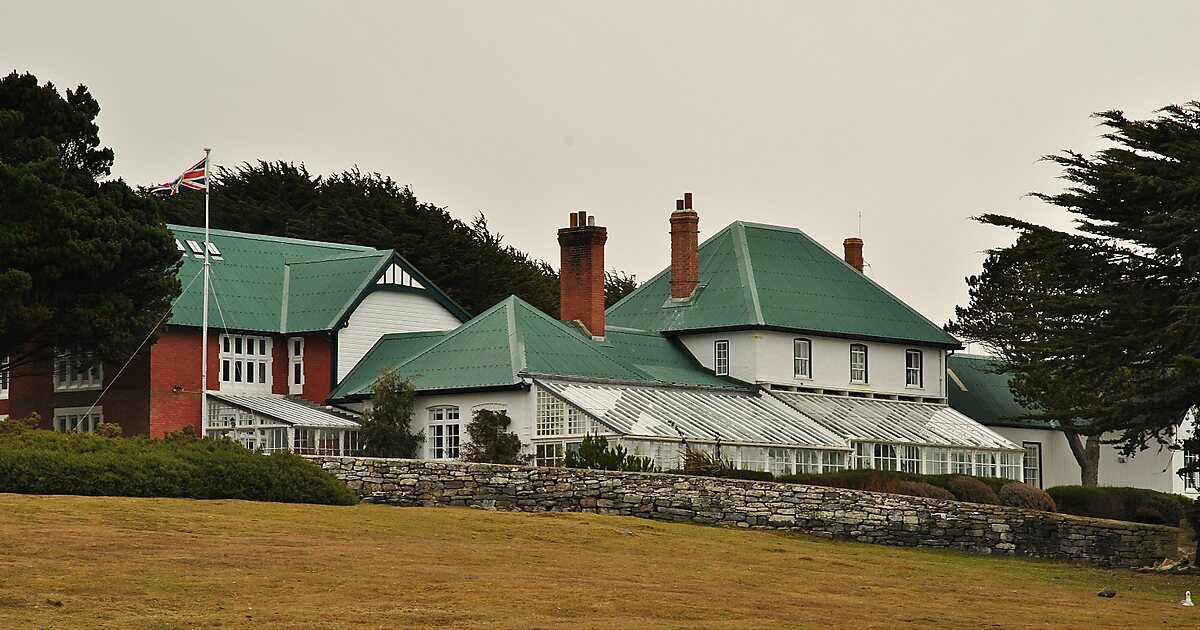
[827,512]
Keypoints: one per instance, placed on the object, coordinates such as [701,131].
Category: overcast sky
[916,115]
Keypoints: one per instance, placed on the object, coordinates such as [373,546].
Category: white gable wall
[1154,468]
[763,356]
[383,312]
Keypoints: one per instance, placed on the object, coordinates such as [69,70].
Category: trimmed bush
[972,490]
[1138,505]
[45,462]
[1023,495]
[922,489]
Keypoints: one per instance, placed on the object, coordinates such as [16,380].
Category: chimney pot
[687,201]
[678,205]
[574,220]
[853,247]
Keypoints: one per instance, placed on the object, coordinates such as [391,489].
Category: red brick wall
[318,358]
[581,274]
[126,401]
[175,362]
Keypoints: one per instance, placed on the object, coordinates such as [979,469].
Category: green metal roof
[513,338]
[324,281]
[978,391]
[765,276]
[389,351]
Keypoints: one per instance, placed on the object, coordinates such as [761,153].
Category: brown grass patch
[169,563]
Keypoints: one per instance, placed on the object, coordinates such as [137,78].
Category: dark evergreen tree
[468,261]
[490,441]
[83,265]
[386,426]
[1099,326]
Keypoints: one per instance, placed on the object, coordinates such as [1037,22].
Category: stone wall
[827,512]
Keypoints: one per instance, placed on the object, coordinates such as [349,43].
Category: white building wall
[384,312]
[1153,468]
[763,356]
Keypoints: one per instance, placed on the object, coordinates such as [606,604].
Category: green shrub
[1138,505]
[45,462]
[972,490]
[922,489]
[108,430]
[596,454]
[1023,495]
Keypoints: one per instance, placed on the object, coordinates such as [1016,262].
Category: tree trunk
[1087,454]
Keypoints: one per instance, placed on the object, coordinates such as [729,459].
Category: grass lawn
[85,562]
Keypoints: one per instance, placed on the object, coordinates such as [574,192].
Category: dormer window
[721,358]
[858,363]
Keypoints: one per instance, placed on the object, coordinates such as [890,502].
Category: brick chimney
[685,246]
[854,257]
[581,274]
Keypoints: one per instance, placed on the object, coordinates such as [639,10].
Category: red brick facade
[159,391]
[581,274]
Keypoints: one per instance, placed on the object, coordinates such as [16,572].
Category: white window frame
[910,458]
[961,462]
[551,415]
[295,348]
[80,419]
[833,461]
[858,370]
[914,375]
[985,464]
[444,433]
[245,364]
[549,454]
[1191,480]
[802,358]
[5,377]
[1032,461]
[721,357]
[77,371]
[884,457]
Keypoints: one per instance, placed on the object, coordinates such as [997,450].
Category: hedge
[1138,505]
[46,462]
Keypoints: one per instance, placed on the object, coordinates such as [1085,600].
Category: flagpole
[204,319]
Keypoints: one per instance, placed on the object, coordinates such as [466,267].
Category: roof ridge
[254,236]
[746,267]
[349,256]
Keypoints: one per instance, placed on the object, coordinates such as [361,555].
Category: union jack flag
[195,178]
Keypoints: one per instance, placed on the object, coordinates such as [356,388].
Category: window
[721,358]
[316,441]
[349,442]
[1010,465]
[79,419]
[937,461]
[913,374]
[985,464]
[960,462]
[808,461]
[443,433]
[1033,463]
[858,363]
[910,462]
[802,358]
[885,457]
[862,455]
[549,454]
[73,371]
[4,379]
[296,373]
[779,461]
[833,461]
[246,363]
[551,413]
[1190,457]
